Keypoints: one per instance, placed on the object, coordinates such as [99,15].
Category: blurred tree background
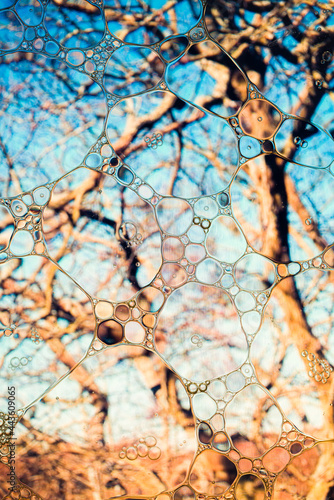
[230,102]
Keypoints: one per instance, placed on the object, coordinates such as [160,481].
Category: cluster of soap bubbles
[146,447]
[35,336]
[26,210]
[18,363]
[154,141]
[319,368]
[202,241]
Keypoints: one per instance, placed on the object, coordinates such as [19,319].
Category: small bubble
[197,34]
[259,119]
[308,221]
[131,453]
[327,56]
[150,441]
[15,362]
[195,339]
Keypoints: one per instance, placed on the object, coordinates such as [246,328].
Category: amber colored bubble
[276,459]
[204,433]
[131,453]
[234,455]
[292,435]
[149,320]
[110,332]
[122,312]
[260,119]
[150,441]
[245,465]
[329,257]
[296,448]
[25,492]
[142,450]
[39,247]
[154,453]
[282,270]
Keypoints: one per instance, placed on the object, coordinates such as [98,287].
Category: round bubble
[249,147]
[22,243]
[19,208]
[235,381]
[93,160]
[41,195]
[125,175]
[75,57]
[51,47]
[208,271]
[206,207]
[223,199]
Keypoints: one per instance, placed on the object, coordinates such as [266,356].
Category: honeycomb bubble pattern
[180,248]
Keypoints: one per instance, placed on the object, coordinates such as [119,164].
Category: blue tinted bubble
[30,34]
[93,160]
[51,48]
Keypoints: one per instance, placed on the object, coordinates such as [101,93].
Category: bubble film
[166,250]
